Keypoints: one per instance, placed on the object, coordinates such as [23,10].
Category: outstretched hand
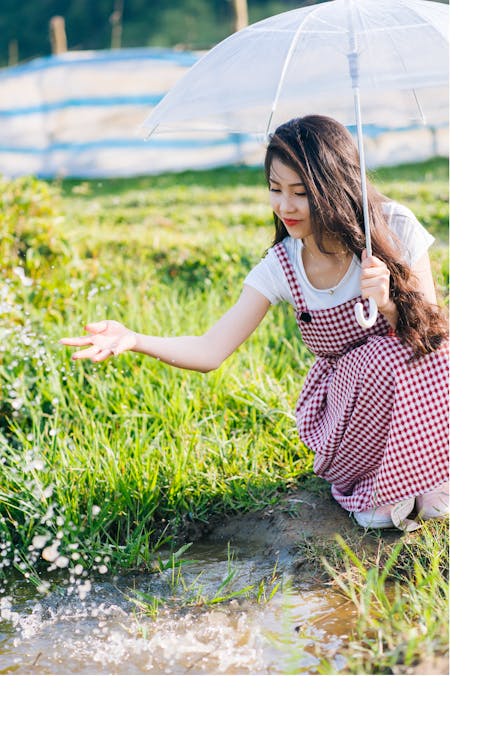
[106,338]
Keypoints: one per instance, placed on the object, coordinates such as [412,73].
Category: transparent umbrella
[383,62]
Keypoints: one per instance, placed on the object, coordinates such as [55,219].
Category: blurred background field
[181,24]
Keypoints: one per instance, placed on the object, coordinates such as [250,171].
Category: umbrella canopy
[298,63]
[323,59]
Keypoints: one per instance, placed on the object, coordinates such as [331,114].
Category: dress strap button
[306,317]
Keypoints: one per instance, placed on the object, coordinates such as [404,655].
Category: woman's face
[288,198]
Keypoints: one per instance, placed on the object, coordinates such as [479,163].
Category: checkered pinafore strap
[291,277]
[328,332]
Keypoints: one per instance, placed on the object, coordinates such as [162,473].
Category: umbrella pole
[352,57]
[362,167]
[358,308]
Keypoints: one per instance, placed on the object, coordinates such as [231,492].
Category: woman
[374,406]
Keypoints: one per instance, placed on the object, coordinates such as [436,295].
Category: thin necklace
[345,253]
[331,290]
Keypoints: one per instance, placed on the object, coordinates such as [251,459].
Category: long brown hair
[323,153]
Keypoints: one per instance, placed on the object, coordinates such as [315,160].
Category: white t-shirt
[269,279]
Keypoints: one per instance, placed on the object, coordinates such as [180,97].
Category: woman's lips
[291,222]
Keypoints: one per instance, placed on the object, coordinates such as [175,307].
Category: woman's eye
[301,194]
[274,190]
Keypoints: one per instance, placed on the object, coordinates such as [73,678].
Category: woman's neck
[325,270]
[332,247]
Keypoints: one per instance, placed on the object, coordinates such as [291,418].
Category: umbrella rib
[403,62]
[289,55]
[341,31]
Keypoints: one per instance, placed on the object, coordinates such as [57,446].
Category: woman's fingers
[87,353]
[107,338]
[78,341]
[375,280]
[371,267]
[370,261]
[379,294]
[94,328]
[103,355]
[374,271]
[98,327]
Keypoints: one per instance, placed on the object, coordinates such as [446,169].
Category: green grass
[150,446]
[110,462]
[399,591]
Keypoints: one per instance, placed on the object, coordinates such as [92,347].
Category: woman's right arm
[198,353]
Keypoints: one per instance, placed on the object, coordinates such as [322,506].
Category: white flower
[26,281]
[35,464]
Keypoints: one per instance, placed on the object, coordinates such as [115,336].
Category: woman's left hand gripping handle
[106,338]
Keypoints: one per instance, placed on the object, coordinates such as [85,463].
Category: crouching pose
[374,406]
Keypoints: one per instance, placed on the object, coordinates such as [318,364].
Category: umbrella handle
[360,316]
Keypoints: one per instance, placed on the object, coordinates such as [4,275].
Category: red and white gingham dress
[377,423]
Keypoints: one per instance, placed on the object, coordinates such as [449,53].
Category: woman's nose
[287,204]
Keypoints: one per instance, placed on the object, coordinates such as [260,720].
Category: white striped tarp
[78,114]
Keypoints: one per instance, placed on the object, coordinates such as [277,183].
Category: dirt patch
[302,519]
[437,666]
[298,516]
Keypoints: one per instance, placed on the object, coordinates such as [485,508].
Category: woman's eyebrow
[272,180]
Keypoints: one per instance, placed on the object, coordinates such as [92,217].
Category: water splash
[298,631]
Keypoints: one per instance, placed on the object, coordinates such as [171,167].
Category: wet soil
[301,524]
[298,516]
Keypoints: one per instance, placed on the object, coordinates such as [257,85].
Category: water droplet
[40,540]
[84,589]
[50,553]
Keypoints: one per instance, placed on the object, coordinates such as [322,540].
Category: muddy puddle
[223,610]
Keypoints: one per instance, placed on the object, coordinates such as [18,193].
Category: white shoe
[434,504]
[388,517]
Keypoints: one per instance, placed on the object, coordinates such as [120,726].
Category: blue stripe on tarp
[160,143]
[179,58]
[131,100]
[371,130]
[124,143]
